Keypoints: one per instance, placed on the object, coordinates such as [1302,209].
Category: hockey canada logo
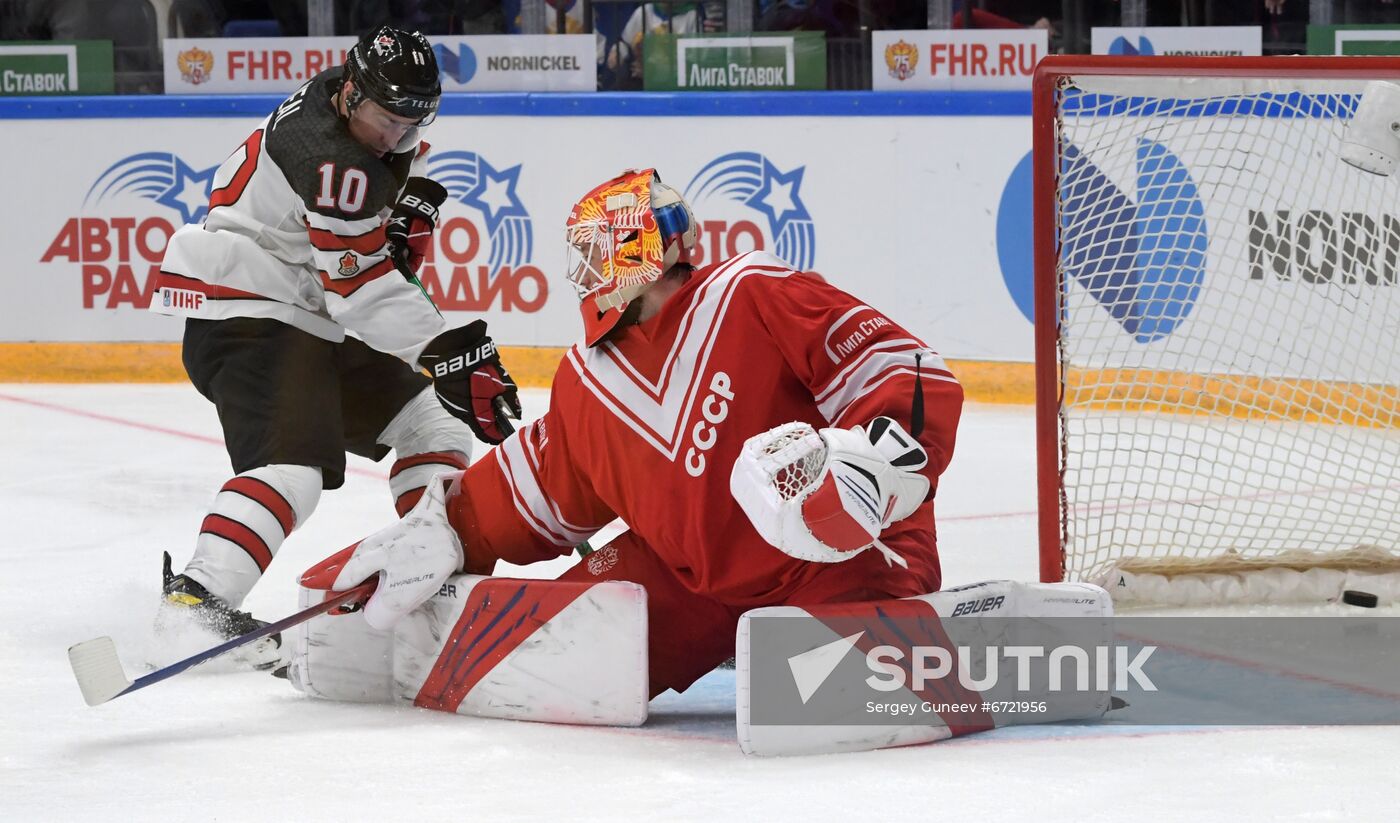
[196,65]
[901,59]
[484,244]
[1143,260]
[741,186]
[349,264]
[119,233]
[386,47]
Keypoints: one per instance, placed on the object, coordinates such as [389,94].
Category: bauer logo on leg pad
[985,604]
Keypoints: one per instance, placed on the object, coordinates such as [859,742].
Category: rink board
[912,226]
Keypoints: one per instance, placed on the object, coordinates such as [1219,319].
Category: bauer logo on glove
[485,351]
[826,496]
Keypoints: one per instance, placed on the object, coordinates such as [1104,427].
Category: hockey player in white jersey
[317,225]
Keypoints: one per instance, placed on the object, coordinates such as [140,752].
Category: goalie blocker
[566,652]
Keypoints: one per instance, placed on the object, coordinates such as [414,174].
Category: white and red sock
[251,516]
[410,475]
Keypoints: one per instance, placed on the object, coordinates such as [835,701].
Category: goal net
[1218,331]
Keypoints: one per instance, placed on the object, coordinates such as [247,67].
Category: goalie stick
[99,671]
[101,677]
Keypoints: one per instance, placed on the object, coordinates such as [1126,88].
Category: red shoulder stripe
[367,243]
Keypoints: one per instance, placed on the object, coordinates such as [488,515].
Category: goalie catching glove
[470,381]
[412,558]
[827,495]
[409,229]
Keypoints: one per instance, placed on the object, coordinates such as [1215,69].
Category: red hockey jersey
[647,427]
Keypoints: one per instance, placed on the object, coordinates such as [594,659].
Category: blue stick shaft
[361,591]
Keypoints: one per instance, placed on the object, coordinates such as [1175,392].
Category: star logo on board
[777,197]
[753,181]
[189,191]
[494,194]
[159,176]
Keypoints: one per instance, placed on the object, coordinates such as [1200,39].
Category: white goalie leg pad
[974,617]
[340,657]
[543,650]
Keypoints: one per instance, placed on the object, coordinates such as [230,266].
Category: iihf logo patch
[349,264]
[753,181]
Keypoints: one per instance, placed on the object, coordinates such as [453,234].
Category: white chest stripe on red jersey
[657,411]
[520,468]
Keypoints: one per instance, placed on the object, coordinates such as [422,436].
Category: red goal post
[1156,180]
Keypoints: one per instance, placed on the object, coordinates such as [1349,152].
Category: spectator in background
[624,58]
[129,24]
[837,19]
[1007,15]
[572,17]
[570,12]
[359,16]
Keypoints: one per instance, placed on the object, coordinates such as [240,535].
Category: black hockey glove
[470,381]
[410,226]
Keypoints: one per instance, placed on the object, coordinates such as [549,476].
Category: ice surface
[98,480]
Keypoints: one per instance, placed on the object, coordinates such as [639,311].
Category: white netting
[1230,331]
[794,458]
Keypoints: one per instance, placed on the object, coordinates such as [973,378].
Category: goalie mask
[623,236]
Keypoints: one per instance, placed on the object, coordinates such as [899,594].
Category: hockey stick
[101,677]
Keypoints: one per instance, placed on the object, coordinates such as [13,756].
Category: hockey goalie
[768,439]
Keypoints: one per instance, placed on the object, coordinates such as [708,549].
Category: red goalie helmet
[622,236]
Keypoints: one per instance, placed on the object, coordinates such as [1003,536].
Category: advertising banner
[55,67]
[915,236]
[1180,41]
[779,61]
[245,65]
[967,59]
[1356,40]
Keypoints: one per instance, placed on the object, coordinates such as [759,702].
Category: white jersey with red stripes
[646,427]
[295,232]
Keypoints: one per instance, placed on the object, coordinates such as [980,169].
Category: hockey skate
[186,601]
